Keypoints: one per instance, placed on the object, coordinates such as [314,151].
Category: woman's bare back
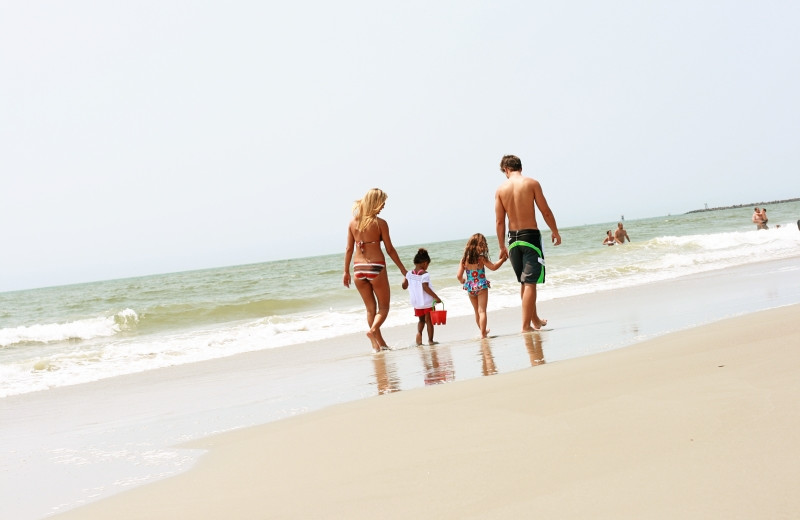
[367,242]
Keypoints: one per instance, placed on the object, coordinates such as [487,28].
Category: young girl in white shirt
[423,297]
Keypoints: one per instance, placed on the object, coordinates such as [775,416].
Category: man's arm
[500,224]
[547,214]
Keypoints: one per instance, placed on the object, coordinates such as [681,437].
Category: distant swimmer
[758,219]
[610,239]
[764,218]
[620,234]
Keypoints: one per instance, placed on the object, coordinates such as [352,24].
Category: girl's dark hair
[422,256]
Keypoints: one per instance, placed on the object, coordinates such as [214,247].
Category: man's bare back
[516,200]
[518,197]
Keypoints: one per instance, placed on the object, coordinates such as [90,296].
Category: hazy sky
[140,137]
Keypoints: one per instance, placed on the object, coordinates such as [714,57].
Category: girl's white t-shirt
[419,298]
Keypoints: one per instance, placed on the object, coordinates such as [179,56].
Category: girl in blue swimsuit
[472,274]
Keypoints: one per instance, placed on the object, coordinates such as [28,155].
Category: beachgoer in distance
[422,294]
[517,199]
[758,219]
[472,275]
[620,234]
[364,236]
[764,218]
[610,239]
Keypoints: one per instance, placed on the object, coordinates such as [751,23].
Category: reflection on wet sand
[487,358]
[533,345]
[385,376]
[438,364]
[533,342]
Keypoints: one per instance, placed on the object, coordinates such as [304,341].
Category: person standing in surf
[620,234]
[610,239]
[758,219]
[517,199]
[764,218]
[365,233]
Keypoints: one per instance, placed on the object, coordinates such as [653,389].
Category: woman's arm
[348,256]
[390,250]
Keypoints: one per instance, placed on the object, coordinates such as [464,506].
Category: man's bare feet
[536,326]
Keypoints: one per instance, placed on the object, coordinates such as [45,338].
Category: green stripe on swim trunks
[538,251]
[527,244]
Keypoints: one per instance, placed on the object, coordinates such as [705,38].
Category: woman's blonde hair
[366,209]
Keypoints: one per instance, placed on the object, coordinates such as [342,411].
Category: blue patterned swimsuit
[476,281]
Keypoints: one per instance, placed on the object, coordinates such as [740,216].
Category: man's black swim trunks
[525,253]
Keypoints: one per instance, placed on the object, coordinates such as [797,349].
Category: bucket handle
[433,306]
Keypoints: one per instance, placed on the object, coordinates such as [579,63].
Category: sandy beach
[695,424]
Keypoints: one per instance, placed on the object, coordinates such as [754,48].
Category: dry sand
[695,424]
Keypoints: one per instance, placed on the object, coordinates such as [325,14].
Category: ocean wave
[209,312]
[44,369]
[161,318]
[78,330]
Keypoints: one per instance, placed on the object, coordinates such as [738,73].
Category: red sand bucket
[438,317]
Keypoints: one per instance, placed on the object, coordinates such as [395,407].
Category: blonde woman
[364,236]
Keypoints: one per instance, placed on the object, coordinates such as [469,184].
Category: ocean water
[59,336]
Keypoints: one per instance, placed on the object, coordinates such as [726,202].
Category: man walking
[516,199]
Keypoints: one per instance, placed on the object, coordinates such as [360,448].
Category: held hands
[405,283]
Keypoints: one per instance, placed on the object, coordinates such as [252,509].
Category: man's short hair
[511,163]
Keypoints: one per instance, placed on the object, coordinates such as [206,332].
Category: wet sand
[695,424]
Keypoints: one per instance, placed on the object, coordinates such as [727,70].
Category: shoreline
[690,424]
